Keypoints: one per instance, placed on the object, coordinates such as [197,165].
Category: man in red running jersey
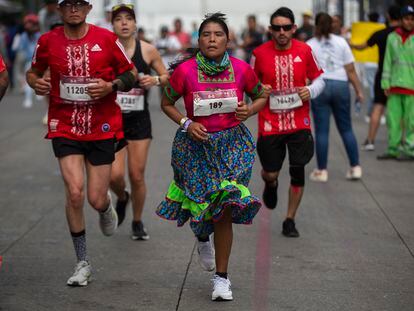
[4,78]
[87,66]
[286,64]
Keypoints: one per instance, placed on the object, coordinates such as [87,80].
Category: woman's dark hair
[394,12]
[218,18]
[323,25]
[373,17]
[284,12]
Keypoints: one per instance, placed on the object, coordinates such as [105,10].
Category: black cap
[407,10]
[129,8]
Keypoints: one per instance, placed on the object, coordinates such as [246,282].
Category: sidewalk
[356,250]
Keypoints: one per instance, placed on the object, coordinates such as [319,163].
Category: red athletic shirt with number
[2,64]
[72,63]
[284,70]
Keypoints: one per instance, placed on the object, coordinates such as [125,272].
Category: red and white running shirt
[72,64]
[285,70]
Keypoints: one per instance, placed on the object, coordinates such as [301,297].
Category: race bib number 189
[207,103]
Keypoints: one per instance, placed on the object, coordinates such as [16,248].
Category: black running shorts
[272,149]
[98,152]
[379,95]
[137,125]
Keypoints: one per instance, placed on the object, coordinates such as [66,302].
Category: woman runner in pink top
[213,151]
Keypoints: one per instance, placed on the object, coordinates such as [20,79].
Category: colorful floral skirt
[209,177]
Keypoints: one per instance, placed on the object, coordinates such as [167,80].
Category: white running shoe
[206,255]
[27,103]
[319,175]
[108,221]
[368,145]
[221,289]
[354,173]
[82,274]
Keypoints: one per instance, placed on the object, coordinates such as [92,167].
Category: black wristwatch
[114,87]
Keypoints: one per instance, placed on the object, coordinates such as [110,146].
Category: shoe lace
[221,283]
[107,217]
[80,266]
[204,248]
[138,227]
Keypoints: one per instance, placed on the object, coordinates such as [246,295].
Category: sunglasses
[280,27]
[75,4]
[117,7]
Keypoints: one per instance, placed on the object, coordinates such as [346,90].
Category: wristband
[183,120]
[114,87]
[187,124]
[128,81]
[157,80]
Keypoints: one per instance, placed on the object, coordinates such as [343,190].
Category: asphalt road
[356,250]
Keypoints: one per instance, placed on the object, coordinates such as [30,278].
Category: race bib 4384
[132,100]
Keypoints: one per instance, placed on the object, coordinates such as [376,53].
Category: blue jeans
[335,98]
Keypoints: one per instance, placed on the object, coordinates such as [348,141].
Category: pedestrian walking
[335,57]
[136,118]
[286,64]
[87,66]
[168,46]
[183,37]
[379,39]
[26,47]
[398,84]
[213,151]
[251,37]
[49,15]
[306,31]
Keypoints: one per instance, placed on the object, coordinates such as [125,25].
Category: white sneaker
[383,120]
[206,255]
[319,175]
[108,221]
[368,146]
[221,289]
[82,274]
[27,103]
[354,173]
